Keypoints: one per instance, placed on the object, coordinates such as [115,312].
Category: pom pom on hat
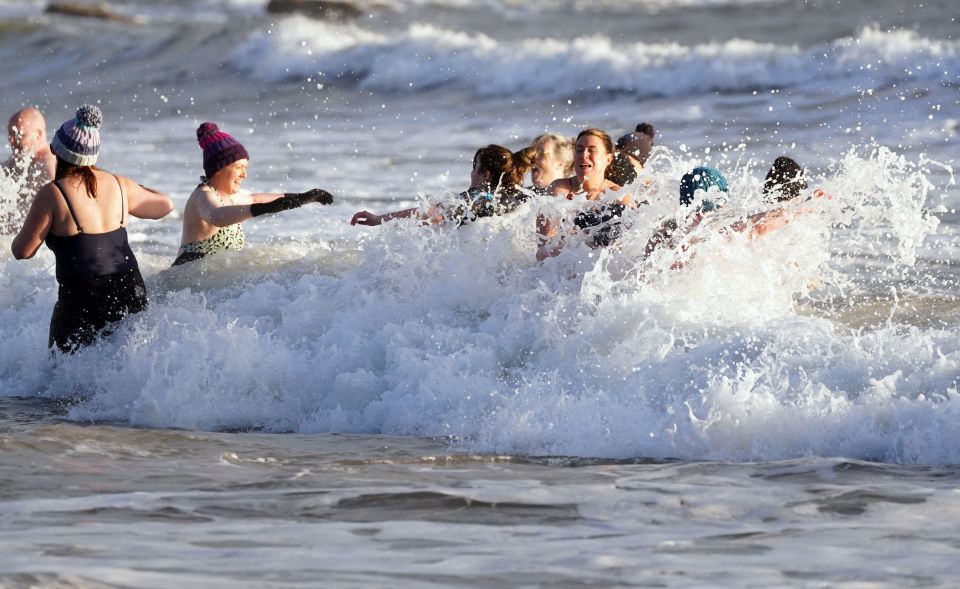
[89,115]
[220,149]
[206,129]
[77,141]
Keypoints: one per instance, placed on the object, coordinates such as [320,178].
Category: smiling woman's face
[591,158]
[228,179]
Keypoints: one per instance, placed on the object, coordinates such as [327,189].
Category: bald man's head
[27,131]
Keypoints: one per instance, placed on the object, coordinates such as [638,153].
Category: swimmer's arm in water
[36,226]
[659,237]
[145,203]
[373,219]
[628,200]
[766,222]
[820,193]
[548,243]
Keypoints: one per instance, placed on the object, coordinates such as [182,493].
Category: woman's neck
[479,187]
[593,187]
[221,190]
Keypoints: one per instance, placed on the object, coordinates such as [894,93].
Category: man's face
[24,136]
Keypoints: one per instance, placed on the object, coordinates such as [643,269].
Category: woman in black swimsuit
[593,154]
[82,216]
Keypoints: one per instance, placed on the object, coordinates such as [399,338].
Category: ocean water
[410,406]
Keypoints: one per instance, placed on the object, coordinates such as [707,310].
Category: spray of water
[728,348]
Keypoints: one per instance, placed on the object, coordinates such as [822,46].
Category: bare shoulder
[202,193]
[47,195]
[127,183]
[103,175]
[561,186]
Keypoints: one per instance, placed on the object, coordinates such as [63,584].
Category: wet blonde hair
[560,148]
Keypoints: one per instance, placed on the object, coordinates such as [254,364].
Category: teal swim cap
[703,178]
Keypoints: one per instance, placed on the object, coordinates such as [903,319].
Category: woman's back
[89,236]
[76,211]
[82,217]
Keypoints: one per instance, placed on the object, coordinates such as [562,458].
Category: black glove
[315,195]
[291,200]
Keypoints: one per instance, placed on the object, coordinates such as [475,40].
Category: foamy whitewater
[429,406]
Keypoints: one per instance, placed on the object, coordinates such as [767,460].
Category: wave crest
[424,57]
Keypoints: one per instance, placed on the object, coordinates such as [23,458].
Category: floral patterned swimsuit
[225,239]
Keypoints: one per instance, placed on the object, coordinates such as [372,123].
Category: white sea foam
[425,56]
[459,332]
[540,6]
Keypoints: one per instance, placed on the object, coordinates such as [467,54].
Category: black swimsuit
[602,223]
[99,279]
[477,203]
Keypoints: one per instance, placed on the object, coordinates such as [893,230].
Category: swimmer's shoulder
[562,186]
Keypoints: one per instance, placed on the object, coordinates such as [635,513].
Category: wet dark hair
[506,168]
[646,129]
[621,171]
[65,169]
[785,179]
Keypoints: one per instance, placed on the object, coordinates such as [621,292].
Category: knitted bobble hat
[220,149]
[77,141]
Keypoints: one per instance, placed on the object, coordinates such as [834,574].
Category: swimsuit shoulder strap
[63,193]
[123,201]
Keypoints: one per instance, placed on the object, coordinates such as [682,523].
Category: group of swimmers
[81,211]
[593,167]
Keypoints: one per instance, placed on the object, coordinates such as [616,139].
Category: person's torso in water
[88,235]
[201,238]
[195,227]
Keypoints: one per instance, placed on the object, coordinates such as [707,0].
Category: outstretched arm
[766,222]
[262,197]
[217,214]
[145,203]
[291,200]
[373,219]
